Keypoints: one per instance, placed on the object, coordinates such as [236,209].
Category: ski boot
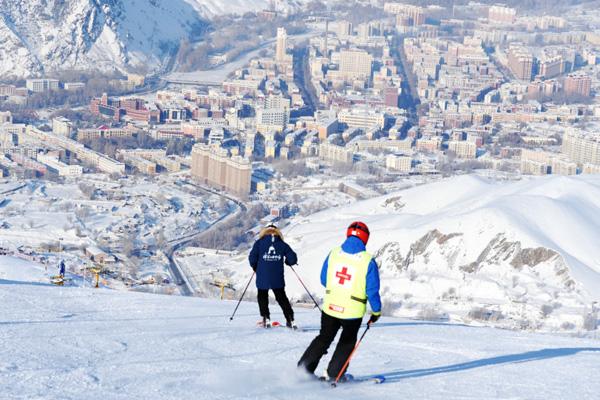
[290,323]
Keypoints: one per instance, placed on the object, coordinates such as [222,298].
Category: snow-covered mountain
[38,36]
[513,254]
[76,343]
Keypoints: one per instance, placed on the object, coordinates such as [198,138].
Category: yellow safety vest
[346,290]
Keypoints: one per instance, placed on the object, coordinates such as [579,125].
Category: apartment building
[214,166]
[463,149]
[95,159]
[132,159]
[281,45]
[520,62]
[271,119]
[355,64]
[62,126]
[54,164]
[362,118]
[104,132]
[501,14]
[41,85]
[578,85]
[334,153]
[582,147]
[398,163]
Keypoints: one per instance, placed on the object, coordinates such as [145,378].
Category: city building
[520,62]
[214,166]
[105,132]
[62,126]
[591,169]
[6,117]
[133,108]
[563,167]
[73,86]
[582,147]
[41,85]
[398,163]
[91,157]
[271,119]
[334,153]
[281,45]
[133,160]
[362,118]
[158,157]
[391,96]
[355,64]
[463,149]
[578,85]
[407,14]
[529,167]
[501,14]
[54,164]
[344,29]
[550,66]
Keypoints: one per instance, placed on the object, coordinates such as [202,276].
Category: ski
[277,324]
[273,324]
[349,378]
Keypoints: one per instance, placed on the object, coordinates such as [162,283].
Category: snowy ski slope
[74,343]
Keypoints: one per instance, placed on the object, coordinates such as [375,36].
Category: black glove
[254,269]
[374,318]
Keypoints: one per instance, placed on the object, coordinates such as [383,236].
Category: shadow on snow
[380,325]
[537,355]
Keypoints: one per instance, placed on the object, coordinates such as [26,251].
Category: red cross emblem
[343,275]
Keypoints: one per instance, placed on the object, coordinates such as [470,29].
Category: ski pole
[242,296]
[305,288]
[351,354]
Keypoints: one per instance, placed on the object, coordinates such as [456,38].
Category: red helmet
[360,230]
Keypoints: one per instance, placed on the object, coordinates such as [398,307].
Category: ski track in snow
[77,343]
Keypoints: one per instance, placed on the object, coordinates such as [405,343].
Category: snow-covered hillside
[74,343]
[39,36]
[18,270]
[520,255]
[210,8]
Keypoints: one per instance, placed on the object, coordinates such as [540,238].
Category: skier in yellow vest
[351,277]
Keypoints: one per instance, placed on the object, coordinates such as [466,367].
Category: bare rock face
[500,283]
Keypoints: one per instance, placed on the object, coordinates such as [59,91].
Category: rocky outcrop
[500,283]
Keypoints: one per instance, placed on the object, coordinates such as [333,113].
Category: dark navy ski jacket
[267,257]
[354,245]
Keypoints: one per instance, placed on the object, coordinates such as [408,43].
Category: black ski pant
[318,347]
[281,297]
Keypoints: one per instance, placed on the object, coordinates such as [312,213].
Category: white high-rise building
[62,126]
[272,119]
[281,46]
[355,64]
[41,85]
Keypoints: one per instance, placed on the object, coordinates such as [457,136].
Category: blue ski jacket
[354,245]
[267,257]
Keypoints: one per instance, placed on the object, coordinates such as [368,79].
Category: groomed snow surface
[76,343]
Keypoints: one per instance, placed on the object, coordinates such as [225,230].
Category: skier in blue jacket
[266,258]
[351,278]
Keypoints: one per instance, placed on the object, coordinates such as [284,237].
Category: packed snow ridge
[41,36]
[520,255]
